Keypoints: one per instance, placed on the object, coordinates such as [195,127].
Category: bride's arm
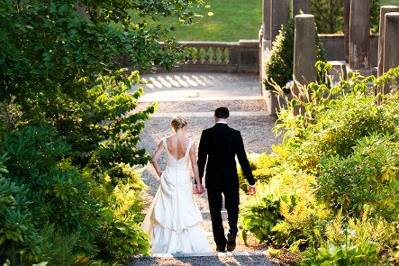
[155,157]
[193,159]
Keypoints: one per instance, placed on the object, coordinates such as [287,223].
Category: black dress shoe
[221,248]
[231,242]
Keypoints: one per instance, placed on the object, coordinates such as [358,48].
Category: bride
[173,221]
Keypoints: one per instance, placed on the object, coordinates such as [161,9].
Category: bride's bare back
[177,146]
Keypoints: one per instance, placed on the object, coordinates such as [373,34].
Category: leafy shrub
[69,127]
[368,176]
[121,235]
[336,181]
[279,67]
[259,217]
[286,209]
[19,240]
[356,242]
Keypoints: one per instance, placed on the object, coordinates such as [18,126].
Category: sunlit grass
[227,20]
[230,20]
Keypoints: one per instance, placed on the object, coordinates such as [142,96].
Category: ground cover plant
[330,191]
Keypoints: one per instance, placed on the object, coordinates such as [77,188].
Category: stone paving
[195,96]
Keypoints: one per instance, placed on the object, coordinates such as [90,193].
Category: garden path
[195,96]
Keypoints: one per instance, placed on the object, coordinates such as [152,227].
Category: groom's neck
[221,121]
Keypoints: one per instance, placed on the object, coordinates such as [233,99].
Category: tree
[68,128]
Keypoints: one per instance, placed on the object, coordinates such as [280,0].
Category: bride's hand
[200,188]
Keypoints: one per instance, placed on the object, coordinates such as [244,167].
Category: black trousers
[231,202]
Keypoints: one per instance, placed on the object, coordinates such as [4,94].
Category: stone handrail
[230,57]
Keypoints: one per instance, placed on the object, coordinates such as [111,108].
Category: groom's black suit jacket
[220,144]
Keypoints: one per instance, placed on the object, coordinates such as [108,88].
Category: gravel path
[252,259]
[238,92]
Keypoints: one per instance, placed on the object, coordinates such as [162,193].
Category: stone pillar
[304,49]
[347,7]
[359,35]
[383,11]
[391,41]
[280,13]
[267,6]
[304,53]
[299,5]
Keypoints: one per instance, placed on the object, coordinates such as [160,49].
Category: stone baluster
[301,5]
[384,10]
[391,41]
[304,52]
[359,35]
[280,14]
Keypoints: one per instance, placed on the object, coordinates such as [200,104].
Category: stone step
[212,259]
[235,104]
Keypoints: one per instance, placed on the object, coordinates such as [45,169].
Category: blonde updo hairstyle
[178,123]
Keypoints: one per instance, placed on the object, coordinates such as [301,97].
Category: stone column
[391,41]
[280,13]
[304,49]
[359,35]
[347,7]
[304,52]
[383,11]
[267,6]
[299,5]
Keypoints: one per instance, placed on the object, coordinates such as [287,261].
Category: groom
[220,144]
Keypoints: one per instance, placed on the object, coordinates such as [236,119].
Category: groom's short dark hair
[222,112]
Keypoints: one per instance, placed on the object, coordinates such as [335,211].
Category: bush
[69,128]
[357,242]
[279,67]
[334,181]
[366,177]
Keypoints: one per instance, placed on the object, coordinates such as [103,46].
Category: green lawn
[390,2]
[232,20]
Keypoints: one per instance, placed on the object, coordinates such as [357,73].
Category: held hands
[252,190]
[198,189]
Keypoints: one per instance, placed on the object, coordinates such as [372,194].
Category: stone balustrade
[229,57]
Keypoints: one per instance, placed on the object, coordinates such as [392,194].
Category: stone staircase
[196,102]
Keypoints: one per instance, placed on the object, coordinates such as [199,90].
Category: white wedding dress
[173,220]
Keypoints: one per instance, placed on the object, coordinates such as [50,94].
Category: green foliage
[69,191]
[260,217]
[367,176]
[329,15]
[334,178]
[19,240]
[279,67]
[357,242]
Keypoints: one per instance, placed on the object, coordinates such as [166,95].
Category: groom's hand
[252,190]
[200,188]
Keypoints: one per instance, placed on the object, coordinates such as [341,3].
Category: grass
[231,20]
[390,2]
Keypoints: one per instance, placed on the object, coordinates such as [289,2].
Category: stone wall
[334,47]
